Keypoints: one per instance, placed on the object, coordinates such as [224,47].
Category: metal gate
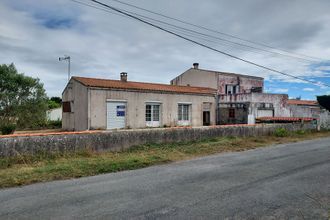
[116,114]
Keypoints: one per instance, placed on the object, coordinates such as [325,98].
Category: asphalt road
[289,181]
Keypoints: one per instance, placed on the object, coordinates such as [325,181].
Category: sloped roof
[302,102]
[221,73]
[118,84]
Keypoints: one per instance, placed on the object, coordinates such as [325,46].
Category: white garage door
[116,114]
[265,113]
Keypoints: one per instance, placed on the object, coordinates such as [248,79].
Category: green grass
[25,169]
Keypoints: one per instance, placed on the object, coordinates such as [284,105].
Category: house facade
[90,103]
[197,97]
[240,98]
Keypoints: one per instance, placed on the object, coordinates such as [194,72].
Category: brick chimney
[195,65]
[123,77]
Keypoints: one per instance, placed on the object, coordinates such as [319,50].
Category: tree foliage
[324,101]
[56,99]
[54,102]
[23,100]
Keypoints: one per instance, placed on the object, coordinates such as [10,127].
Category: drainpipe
[88,108]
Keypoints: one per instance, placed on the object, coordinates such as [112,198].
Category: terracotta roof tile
[293,119]
[302,102]
[117,84]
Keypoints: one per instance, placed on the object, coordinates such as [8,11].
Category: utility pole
[66,58]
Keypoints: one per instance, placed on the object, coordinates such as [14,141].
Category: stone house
[90,103]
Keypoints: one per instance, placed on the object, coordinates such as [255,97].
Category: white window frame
[153,122]
[232,89]
[184,121]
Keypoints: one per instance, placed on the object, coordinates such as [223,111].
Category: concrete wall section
[77,119]
[279,102]
[218,80]
[123,139]
[54,114]
[136,107]
[245,83]
[253,105]
[305,111]
[324,120]
[197,77]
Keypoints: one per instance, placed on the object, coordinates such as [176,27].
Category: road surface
[289,181]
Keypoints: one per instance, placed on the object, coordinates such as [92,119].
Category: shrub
[300,132]
[281,132]
[8,129]
[55,124]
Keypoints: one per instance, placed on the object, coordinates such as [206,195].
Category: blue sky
[34,33]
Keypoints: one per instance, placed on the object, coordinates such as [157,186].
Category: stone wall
[123,139]
[324,120]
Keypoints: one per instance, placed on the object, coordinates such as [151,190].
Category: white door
[264,113]
[116,115]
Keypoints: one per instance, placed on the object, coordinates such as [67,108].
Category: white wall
[136,102]
[76,93]
[54,114]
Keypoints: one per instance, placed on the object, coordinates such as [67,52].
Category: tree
[56,99]
[23,100]
[54,102]
[324,101]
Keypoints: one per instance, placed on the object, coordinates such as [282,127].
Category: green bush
[8,129]
[55,124]
[281,132]
[300,132]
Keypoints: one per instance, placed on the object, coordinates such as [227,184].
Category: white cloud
[308,89]
[280,90]
[103,44]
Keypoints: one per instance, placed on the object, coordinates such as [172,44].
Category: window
[232,89]
[183,112]
[265,105]
[256,89]
[152,112]
[231,113]
[66,106]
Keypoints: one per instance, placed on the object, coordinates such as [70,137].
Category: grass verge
[22,170]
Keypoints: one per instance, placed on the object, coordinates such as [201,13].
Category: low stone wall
[123,139]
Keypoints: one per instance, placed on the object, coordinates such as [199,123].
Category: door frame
[106,111]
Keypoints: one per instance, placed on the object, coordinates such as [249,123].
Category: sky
[35,33]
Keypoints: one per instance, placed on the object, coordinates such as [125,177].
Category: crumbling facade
[240,98]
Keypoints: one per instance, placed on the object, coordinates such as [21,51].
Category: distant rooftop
[302,102]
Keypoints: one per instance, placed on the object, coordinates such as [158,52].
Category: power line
[214,37]
[203,34]
[215,31]
[176,28]
[206,46]
[100,8]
